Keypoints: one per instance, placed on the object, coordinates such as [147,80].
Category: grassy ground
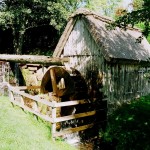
[22,131]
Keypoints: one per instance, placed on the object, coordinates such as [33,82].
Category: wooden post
[35,59]
[3,71]
[11,97]
[53,79]
[21,100]
[53,130]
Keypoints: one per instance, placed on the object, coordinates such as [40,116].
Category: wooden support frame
[54,105]
[35,59]
[75,116]
[53,80]
[72,130]
[53,130]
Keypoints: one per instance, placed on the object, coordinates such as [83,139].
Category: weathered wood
[75,116]
[33,65]
[53,119]
[72,130]
[60,72]
[32,111]
[71,103]
[27,87]
[43,101]
[53,81]
[59,104]
[32,68]
[11,96]
[33,59]
[67,31]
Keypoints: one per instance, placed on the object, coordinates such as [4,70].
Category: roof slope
[115,44]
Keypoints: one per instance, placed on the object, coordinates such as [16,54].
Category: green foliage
[21,15]
[37,12]
[22,131]
[142,26]
[137,4]
[129,126]
[139,15]
[105,7]
[5,19]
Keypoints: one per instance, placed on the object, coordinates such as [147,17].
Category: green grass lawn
[20,130]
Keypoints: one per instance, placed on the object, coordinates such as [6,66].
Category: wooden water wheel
[64,85]
[58,81]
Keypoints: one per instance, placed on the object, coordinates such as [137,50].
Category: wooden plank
[53,79]
[18,99]
[32,68]
[35,65]
[11,96]
[75,116]
[43,101]
[60,104]
[63,39]
[53,118]
[33,87]
[36,59]
[72,130]
[28,87]
[32,111]
[71,103]
[22,101]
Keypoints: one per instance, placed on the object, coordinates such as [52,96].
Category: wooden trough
[63,92]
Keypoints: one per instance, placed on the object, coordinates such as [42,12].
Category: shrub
[129,126]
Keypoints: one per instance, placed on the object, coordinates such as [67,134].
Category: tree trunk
[18,41]
[35,59]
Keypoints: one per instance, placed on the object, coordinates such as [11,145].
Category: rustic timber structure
[35,59]
[91,67]
[4,76]
[114,65]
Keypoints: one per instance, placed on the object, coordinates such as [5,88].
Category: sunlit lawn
[20,130]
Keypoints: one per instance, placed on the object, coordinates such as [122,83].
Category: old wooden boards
[33,59]
[58,81]
[17,95]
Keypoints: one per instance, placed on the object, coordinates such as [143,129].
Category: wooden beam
[53,129]
[35,59]
[32,111]
[72,130]
[28,87]
[75,116]
[64,38]
[38,99]
[53,80]
[71,103]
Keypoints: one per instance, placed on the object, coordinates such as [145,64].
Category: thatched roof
[115,44]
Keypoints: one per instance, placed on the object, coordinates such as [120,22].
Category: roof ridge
[84,11]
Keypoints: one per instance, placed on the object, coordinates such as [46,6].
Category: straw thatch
[116,44]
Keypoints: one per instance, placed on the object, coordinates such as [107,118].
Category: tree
[137,4]
[105,7]
[21,15]
[120,11]
[140,14]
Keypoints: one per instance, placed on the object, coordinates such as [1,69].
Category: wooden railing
[20,93]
